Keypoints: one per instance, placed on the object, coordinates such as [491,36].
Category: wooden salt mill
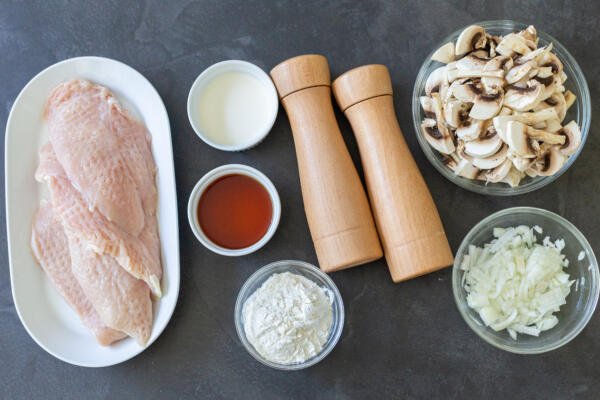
[336,206]
[409,225]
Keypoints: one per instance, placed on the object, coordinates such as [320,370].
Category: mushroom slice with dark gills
[485,146]
[436,82]
[523,99]
[471,38]
[487,105]
[503,63]
[465,90]
[517,140]
[474,60]
[573,138]
[470,129]
[438,136]
[549,163]
[557,102]
[435,138]
[455,112]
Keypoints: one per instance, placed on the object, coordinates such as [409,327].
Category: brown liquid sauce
[235,211]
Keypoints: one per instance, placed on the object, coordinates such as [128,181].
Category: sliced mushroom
[439,136]
[517,140]
[454,74]
[465,90]
[549,59]
[466,169]
[535,55]
[492,161]
[486,106]
[497,63]
[444,54]
[546,137]
[470,130]
[474,60]
[553,125]
[563,76]
[427,105]
[455,112]
[435,138]
[550,163]
[558,103]
[573,138]
[519,72]
[529,118]
[513,43]
[471,38]
[569,99]
[484,146]
[523,99]
[519,162]
[542,72]
[499,172]
[530,34]
[513,178]
[435,81]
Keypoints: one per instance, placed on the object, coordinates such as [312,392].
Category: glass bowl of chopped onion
[496,181]
[526,280]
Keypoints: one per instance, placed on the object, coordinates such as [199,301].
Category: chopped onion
[514,283]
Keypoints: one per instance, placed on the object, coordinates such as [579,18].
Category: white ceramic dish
[44,314]
[202,82]
[212,176]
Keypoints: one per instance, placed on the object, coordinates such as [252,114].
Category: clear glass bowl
[580,111]
[581,303]
[308,271]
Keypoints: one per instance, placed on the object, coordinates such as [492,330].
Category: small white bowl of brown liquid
[232,105]
[234,210]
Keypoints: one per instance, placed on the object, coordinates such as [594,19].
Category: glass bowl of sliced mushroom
[501,108]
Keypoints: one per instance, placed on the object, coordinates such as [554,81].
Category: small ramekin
[212,176]
[308,271]
[581,301]
[211,73]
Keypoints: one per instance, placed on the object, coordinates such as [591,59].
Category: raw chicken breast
[83,119]
[122,301]
[137,255]
[50,247]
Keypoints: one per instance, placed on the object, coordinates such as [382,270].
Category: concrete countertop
[400,341]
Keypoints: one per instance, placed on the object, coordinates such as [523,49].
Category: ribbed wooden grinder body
[409,225]
[336,206]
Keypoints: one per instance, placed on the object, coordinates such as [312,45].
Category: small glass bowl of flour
[289,315]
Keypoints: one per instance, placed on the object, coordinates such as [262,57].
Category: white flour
[288,318]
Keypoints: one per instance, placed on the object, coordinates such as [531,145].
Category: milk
[234,108]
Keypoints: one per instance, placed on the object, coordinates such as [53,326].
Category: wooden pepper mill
[409,225]
[336,206]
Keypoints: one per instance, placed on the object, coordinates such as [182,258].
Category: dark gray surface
[404,340]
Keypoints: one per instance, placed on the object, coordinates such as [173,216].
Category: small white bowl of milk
[232,105]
